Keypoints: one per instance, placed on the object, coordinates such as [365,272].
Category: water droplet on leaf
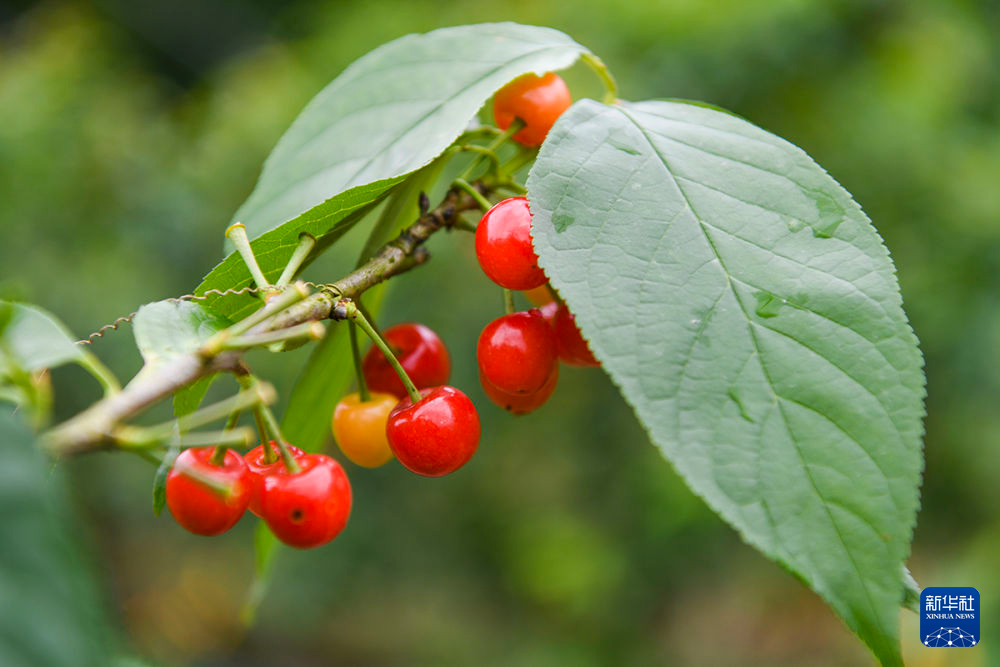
[831,215]
[561,221]
[768,304]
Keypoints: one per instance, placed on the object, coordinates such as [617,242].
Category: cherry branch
[94,428]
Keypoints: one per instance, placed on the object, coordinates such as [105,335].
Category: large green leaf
[750,314]
[50,611]
[388,114]
[33,339]
[167,329]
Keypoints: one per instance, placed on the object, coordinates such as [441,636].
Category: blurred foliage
[129,132]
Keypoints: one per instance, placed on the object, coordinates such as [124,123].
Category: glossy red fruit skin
[437,435]
[199,509]
[309,508]
[260,469]
[521,404]
[573,349]
[517,352]
[537,100]
[504,249]
[421,353]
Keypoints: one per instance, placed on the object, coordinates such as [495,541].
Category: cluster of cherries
[519,353]
[305,504]
[305,499]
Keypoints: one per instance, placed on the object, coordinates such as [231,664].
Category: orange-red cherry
[521,404]
[257,464]
[536,100]
[310,507]
[504,248]
[205,498]
[437,435]
[573,349]
[421,352]
[518,352]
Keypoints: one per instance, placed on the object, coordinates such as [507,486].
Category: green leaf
[189,399]
[52,613]
[33,339]
[167,329]
[750,314]
[327,222]
[393,111]
[388,114]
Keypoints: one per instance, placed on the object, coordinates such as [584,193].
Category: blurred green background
[129,132]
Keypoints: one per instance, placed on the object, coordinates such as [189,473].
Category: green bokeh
[129,135]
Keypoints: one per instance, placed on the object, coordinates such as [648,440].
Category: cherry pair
[517,353]
[305,508]
[433,437]
[518,361]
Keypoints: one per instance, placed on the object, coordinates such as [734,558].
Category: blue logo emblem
[949,617]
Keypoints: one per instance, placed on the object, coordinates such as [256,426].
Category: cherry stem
[219,455]
[286,455]
[363,392]
[248,381]
[306,244]
[508,301]
[304,331]
[224,489]
[483,202]
[237,233]
[292,295]
[354,314]
[101,373]
[149,436]
[604,74]
[483,151]
[523,157]
[492,147]
[240,437]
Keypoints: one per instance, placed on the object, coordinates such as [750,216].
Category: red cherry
[256,460]
[521,404]
[421,352]
[208,499]
[537,100]
[437,435]
[308,508]
[573,349]
[517,352]
[503,246]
